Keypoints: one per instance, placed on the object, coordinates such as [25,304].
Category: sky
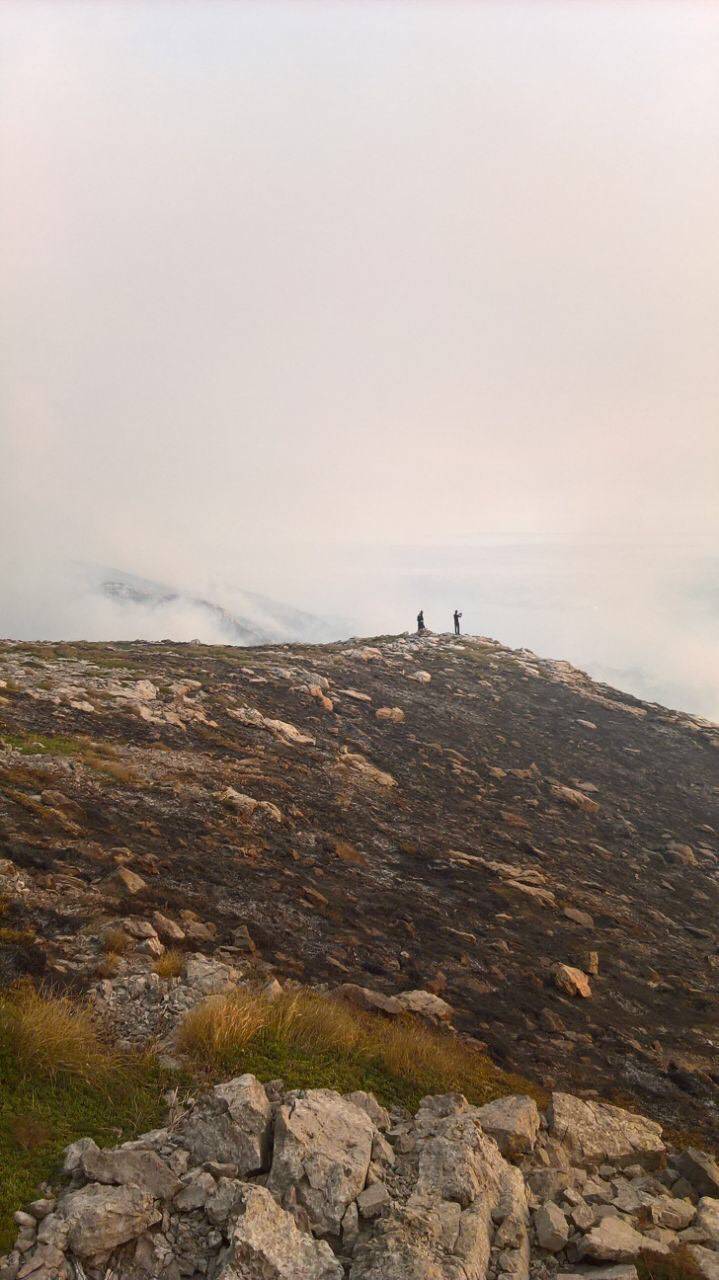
[297,286]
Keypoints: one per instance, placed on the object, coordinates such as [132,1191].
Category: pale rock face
[577,799]
[208,976]
[513,1122]
[701,1170]
[123,883]
[247,806]
[99,1218]
[707,1219]
[456,1160]
[323,1147]
[572,981]
[595,1133]
[144,1169]
[551,1227]
[705,1260]
[674,1214]
[265,1242]
[425,1005]
[444,1230]
[231,1125]
[368,1103]
[612,1240]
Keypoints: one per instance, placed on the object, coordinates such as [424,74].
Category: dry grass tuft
[54,1035]
[116,941]
[171,964]
[109,966]
[401,1057]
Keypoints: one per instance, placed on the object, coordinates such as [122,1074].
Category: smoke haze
[367,306]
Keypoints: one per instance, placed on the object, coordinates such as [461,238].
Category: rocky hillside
[538,852]
[259,1183]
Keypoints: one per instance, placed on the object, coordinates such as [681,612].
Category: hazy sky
[278,274]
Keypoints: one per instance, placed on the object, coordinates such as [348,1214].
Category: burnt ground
[431,849]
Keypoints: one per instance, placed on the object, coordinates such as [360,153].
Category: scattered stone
[123,883]
[571,980]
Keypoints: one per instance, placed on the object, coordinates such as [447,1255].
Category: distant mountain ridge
[235,617]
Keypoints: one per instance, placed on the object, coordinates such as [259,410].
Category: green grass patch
[38,744]
[58,1082]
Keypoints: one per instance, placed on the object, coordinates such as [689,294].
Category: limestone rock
[123,883]
[265,1242]
[423,1004]
[323,1146]
[367,1102]
[513,1122]
[596,1133]
[372,1001]
[551,1227]
[99,1218]
[612,1240]
[231,1125]
[577,799]
[701,1170]
[705,1260]
[572,981]
[707,1219]
[143,1169]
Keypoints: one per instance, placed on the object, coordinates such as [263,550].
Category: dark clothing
[420,620]
[457,617]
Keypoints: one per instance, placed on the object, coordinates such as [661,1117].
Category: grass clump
[314,1041]
[61,1082]
[116,941]
[39,744]
[171,964]
[53,1036]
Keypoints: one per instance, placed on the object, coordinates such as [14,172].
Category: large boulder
[426,1005]
[99,1218]
[513,1122]
[551,1227]
[231,1125]
[700,1170]
[595,1133]
[322,1152]
[707,1220]
[612,1240]
[266,1243]
[573,982]
[706,1261]
[457,1161]
[143,1169]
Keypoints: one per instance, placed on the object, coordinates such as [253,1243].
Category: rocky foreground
[253,1183]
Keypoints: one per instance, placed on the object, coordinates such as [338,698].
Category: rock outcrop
[255,1183]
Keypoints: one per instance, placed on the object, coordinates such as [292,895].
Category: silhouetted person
[457,616]
[420,620]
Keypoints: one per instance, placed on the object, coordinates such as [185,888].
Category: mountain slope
[436,813]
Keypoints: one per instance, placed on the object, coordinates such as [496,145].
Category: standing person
[457,616]
[420,620]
